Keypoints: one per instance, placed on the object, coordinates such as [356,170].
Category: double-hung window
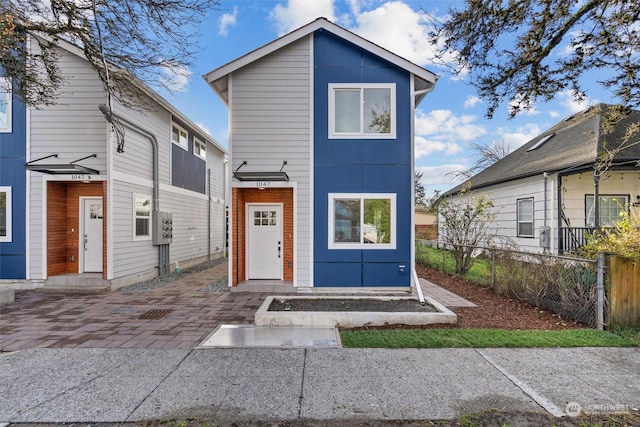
[362,110]
[142,217]
[525,217]
[5,214]
[611,206]
[199,148]
[179,136]
[362,221]
[5,105]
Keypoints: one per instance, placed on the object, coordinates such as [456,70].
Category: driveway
[177,315]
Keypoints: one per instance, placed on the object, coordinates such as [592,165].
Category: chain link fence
[569,287]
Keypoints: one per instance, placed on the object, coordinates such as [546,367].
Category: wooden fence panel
[623,289]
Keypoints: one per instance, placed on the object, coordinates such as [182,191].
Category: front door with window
[264,242]
[91,236]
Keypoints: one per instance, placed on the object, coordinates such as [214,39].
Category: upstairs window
[362,111]
[199,148]
[525,217]
[611,206]
[362,221]
[5,105]
[179,136]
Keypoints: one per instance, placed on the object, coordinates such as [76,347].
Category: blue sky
[448,119]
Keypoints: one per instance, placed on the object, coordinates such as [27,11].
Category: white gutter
[416,283]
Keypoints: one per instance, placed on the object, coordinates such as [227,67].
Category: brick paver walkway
[40,319]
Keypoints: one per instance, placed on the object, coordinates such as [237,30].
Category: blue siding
[188,170]
[360,166]
[13,174]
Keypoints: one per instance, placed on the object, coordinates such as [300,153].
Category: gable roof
[155,96]
[218,78]
[571,145]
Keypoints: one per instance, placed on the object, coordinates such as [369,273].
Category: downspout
[155,202]
[559,192]
[209,215]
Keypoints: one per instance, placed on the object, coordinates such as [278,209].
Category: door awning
[261,175]
[70,168]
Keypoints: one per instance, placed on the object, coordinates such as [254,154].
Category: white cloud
[522,106]
[175,78]
[296,13]
[554,114]
[520,136]
[203,127]
[568,100]
[472,101]
[227,20]
[445,125]
[438,176]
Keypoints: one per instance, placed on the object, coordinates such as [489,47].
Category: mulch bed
[494,310]
[361,304]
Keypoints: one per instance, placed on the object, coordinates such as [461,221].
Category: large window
[142,217]
[179,136]
[5,214]
[5,105]
[362,221]
[525,217]
[362,111]
[610,208]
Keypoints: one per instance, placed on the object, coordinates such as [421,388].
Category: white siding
[270,122]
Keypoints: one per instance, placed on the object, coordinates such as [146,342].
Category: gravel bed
[219,285]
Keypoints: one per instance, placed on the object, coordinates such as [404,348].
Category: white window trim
[518,221]
[5,91]
[361,135]
[184,146]
[135,217]
[8,237]
[362,196]
[197,141]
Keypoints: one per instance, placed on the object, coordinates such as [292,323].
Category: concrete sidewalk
[116,385]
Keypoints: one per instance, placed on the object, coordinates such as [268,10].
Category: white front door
[264,242]
[91,236]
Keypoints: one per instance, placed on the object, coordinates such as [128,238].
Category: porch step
[264,286]
[77,284]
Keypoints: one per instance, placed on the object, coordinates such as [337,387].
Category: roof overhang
[70,168]
[261,175]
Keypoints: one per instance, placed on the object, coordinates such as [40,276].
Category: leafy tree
[420,195]
[486,155]
[515,50]
[463,224]
[122,39]
[622,239]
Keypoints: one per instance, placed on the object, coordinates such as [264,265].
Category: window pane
[525,229]
[142,226]
[142,207]
[377,221]
[3,214]
[347,110]
[377,110]
[525,210]
[5,105]
[346,220]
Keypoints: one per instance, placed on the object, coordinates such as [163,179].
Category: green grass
[480,271]
[482,338]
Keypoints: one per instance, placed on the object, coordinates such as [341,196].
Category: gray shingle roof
[571,144]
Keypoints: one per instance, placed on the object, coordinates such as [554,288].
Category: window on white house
[362,110]
[5,105]
[525,217]
[179,136]
[142,217]
[5,214]
[199,148]
[611,206]
[362,221]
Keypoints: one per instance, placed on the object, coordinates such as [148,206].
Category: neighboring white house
[94,213]
[544,192]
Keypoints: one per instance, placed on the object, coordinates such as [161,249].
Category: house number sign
[263,184]
[81,177]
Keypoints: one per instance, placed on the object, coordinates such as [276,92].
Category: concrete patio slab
[229,336]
